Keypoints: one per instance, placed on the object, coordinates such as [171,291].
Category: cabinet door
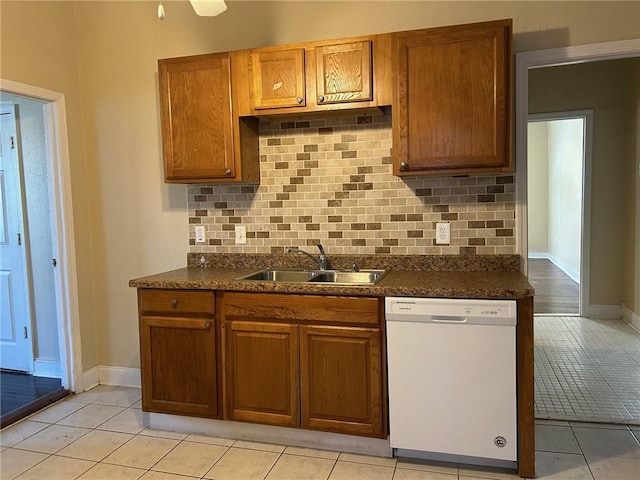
[178,365]
[344,73]
[278,78]
[452,100]
[195,104]
[262,373]
[340,376]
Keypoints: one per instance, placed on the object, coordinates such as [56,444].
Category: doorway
[559,160]
[36,142]
[583,363]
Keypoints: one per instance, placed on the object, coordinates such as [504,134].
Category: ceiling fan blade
[208,8]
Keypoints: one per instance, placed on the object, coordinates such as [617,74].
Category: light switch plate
[443,233]
[201,234]
[241,235]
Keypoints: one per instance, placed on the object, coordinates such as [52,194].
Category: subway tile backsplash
[331,181]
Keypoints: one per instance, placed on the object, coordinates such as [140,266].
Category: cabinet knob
[228,172]
[299,100]
[404,166]
[174,303]
[207,325]
[321,99]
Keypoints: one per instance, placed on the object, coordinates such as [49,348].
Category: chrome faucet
[321,261]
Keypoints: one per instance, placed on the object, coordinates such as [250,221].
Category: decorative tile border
[330,181]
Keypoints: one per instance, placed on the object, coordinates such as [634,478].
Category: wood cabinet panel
[195,107]
[295,308]
[278,78]
[452,100]
[176,301]
[262,373]
[178,365]
[341,379]
[344,73]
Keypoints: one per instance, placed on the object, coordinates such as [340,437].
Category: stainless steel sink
[284,275]
[332,277]
[345,277]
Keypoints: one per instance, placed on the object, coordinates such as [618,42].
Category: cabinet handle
[174,303]
[299,99]
[207,326]
[320,99]
[404,166]
[228,172]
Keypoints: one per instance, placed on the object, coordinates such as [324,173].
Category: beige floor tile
[57,468]
[104,471]
[57,411]
[243,464]
[614,468]
[138,404]
[92,395]
[427,466]
[13,462]
[406,474]
[190,458]
[150,432]
[355,458]
[267,447]
[19,431]
[152,475]
[360,471]
[122,397]
[293,466]
[90,416]
[52,438]
[310,452]
[141,452]
[559,439]
[130,420]
[469,471]
[95,445]
[607,442]
[225,442]
[561,466]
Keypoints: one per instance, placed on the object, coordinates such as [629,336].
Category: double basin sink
[332,277]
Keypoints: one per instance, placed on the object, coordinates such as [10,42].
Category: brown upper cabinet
[319,76]
[200,136]
[452,99]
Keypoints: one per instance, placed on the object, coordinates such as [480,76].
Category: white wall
[565,144]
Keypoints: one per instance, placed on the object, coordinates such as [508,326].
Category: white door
[15,324]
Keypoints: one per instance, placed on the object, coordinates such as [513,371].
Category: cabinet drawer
[176,301]
[296,308]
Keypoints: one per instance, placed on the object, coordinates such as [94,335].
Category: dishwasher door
[452,379]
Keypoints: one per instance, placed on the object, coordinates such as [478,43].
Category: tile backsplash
[330,181]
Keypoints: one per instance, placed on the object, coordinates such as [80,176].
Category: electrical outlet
[443,233]
[201,234]
[241,235]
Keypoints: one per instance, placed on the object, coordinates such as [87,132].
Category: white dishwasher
[452,379]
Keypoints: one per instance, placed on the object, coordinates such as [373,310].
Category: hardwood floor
[556,292]
[22,395]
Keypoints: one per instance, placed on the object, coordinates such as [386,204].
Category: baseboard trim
[271,434]
[603,311]
[108,375]
[571,273]
[46,368]
[631,317]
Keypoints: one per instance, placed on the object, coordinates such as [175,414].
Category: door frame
[585,209]
[63,239]
[549,58]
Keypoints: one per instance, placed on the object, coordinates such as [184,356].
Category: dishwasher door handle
[448,319]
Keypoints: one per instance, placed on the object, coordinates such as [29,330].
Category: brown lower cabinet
[302,360]
[178,352]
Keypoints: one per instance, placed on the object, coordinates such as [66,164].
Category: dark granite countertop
[489,280]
